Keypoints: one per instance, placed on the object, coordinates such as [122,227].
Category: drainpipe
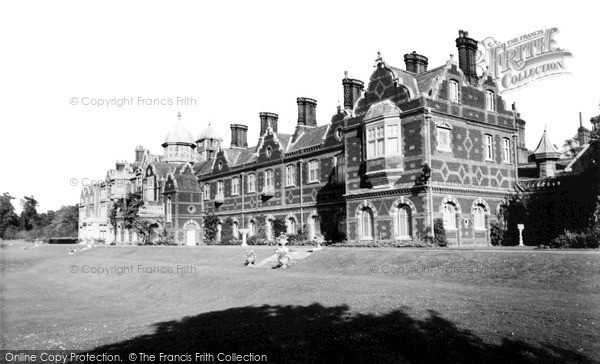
[301,202]
[427,136]
[242,185]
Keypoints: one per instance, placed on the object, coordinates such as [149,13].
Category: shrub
[257,240]
[439,234]
[380,244]
[227,231]
[211,223]
[163,239]
[587,239]
[279,227]
[496,234]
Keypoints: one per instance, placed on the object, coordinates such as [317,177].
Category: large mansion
[414,145]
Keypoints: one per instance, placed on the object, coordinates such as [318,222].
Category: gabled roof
[426,79]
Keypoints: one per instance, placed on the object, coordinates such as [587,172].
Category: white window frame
[235,186]
[489,147]
[290,175]
[506,150]
[383,139]
[449,216]
[169,209]
[207,191]
[403,222]
[479,218]
[367,226]
[269,180]
[490,100]
[313,171]
[220,190]
[441,129]
[376,141]
[453,91]
[251,183]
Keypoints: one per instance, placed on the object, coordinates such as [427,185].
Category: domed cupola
[208,142]
[179,144]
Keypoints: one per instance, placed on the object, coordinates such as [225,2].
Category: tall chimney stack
[467,55]
[352,91]
[268,119]
[307,111]
[583,134]
[239,136]
[415,63]
[139,153]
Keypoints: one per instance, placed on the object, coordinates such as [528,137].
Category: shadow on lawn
[331,334]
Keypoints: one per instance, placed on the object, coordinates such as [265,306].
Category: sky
[235,59]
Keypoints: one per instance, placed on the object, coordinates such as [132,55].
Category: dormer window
[453,94]
[490,101]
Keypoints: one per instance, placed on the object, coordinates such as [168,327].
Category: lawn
[338,305]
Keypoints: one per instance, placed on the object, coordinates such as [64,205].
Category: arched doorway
[191,229]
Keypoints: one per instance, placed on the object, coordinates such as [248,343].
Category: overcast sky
[236,59]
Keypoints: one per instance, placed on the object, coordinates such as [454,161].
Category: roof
[179,135]
[425,80]
[382,108]
[545,148]
[309,138]
[209,133]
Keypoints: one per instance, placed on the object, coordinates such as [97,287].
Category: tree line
[31,224]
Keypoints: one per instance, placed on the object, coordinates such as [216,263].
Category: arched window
[291,226]
[367,224]
[449,212]
[236,230]
[169,209]
[479,217]
[252,227]
[403,222]
[490,101]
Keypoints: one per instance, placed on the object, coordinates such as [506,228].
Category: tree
[130,209]
[29,216]
[64,222]
[9,220]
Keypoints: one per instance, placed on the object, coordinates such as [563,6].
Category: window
[339,172]
[269,151]
[383,139]
[169,209]
[252,227]
[313,171]
[235,186]
[252,182]
[443,139]
[449,214]
[392,134]
[220,190]
[488,147]
[453,91]
[479,217]
[290,175]
[403,225]
[269,178]
[490,101]
[375,138]
[291,226]
[207,191]
[367,227]
[506,150]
